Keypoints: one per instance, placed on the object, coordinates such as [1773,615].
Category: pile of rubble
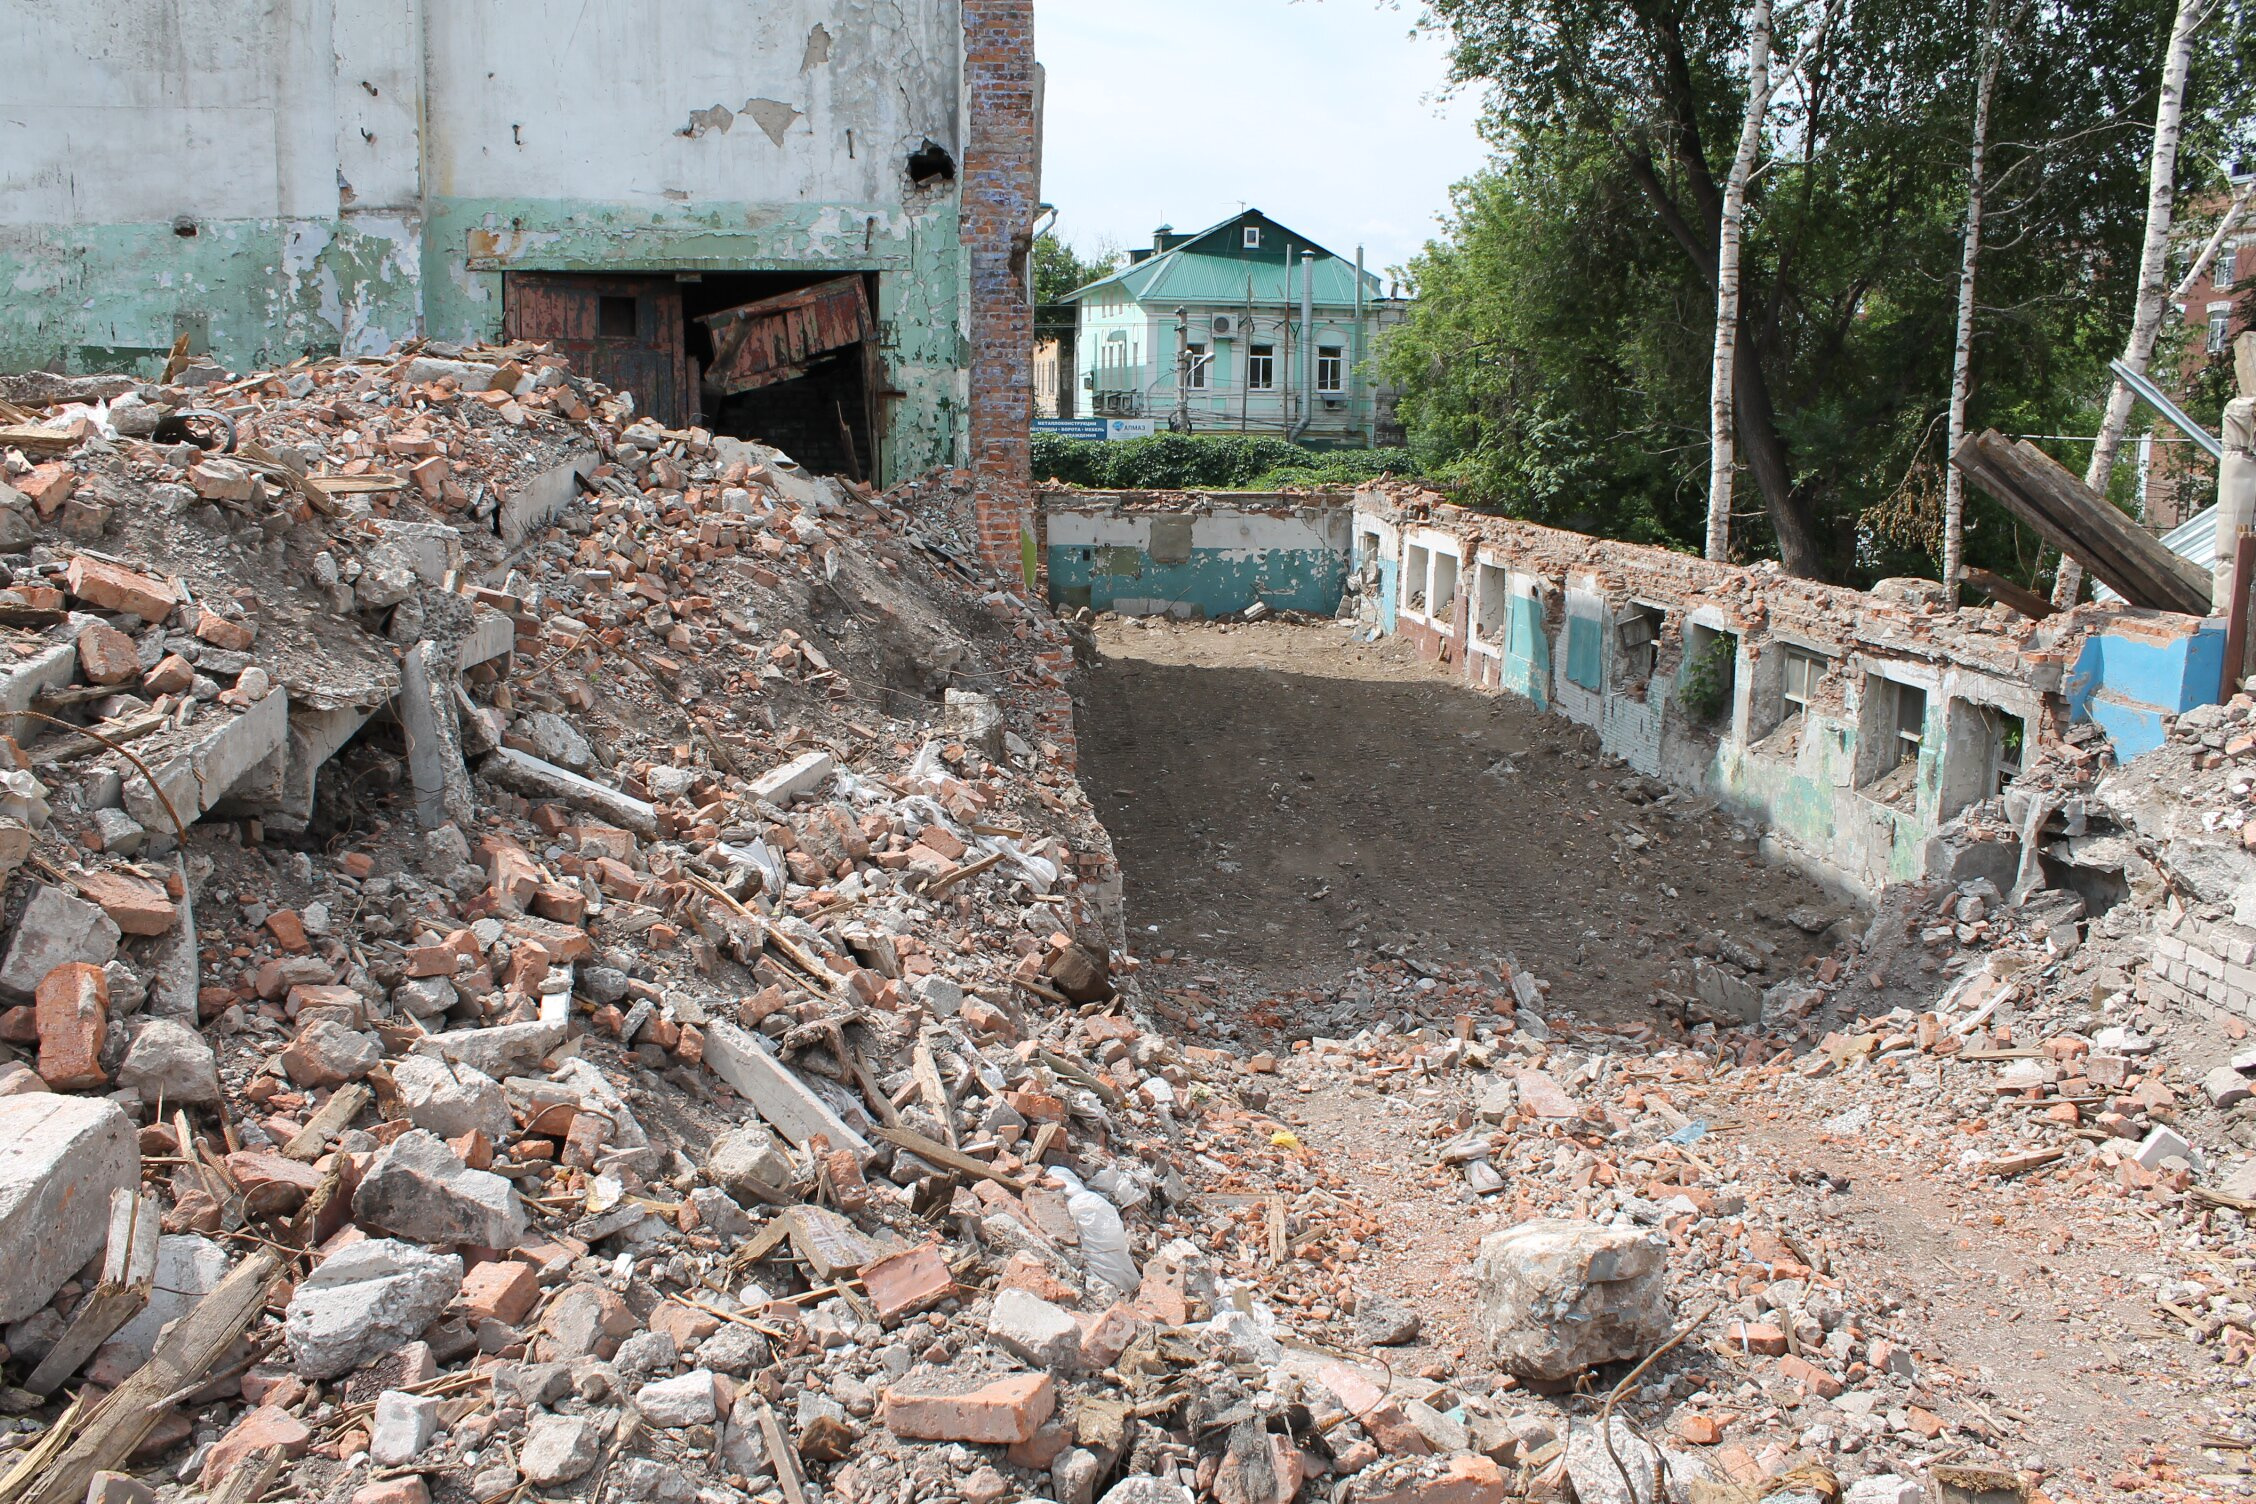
[549,956]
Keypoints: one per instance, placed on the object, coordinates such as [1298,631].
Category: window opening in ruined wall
[1417,565]
[1444,590]
[1491,605]
[1709,676]
[1637,638]
[1892,730]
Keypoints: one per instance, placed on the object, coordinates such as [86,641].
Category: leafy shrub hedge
[1208,462]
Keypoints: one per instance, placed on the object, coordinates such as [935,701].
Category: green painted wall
[259,293]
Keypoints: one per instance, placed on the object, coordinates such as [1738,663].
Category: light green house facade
[1247,326]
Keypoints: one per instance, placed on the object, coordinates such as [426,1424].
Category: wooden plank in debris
[2082,524]
[759,344]
[32,438]
[129,1272]
[184,1356]
[335,1116]
[952,1160]
[2002,590]
[829,1243]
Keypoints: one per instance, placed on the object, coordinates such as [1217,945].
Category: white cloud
[1328,115]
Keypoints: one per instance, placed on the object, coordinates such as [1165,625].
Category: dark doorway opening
[648,333]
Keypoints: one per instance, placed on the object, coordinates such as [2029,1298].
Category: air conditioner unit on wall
[1225,326]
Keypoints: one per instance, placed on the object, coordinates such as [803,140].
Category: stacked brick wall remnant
[2204,960]
[1001,192]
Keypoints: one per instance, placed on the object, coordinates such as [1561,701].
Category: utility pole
[1182,423]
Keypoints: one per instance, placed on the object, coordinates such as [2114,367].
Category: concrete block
[60,1158]
[548,495]
[427,718]
[2159,1145]
[529,775]
[432,549]
[51,667]
[56,929]
[491,635]
[747,1064]
[802,775]
[197,778]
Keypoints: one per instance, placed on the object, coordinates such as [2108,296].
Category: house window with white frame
[1253,237]
[1199,361]
[2228,262]
[1261,368]
[2220,324]
[1331,369]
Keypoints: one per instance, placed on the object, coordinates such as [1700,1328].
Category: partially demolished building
[791,221]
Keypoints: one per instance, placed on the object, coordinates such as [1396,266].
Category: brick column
[1000,194]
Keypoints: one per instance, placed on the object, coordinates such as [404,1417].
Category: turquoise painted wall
[2131,685]
[1213,582]
[1525,666]
[260,293]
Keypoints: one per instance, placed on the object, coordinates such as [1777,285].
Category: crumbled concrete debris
[662,979]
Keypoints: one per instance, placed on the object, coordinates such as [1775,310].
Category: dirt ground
[1289,804]
[1283,796]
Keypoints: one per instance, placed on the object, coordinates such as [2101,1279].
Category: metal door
[626,332]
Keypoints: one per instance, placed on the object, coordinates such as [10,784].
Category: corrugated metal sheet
[2194,539]
[760,344]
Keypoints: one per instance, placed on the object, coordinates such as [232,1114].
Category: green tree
[1058,270]
[1559,352]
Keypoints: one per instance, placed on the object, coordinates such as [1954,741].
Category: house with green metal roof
[1244,327]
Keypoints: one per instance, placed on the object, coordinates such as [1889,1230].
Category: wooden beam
[108,1433]
[2006,593]
[2082,524]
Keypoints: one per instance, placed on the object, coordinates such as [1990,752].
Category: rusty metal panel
[626,332]
[759,344]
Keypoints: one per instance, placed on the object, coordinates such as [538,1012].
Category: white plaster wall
[592,98]
[137,111]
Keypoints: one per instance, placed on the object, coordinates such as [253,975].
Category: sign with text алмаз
[1097,428]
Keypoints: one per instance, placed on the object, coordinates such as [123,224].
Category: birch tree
[1762,88]
[2235,212]
[2146,319]
[1994,40]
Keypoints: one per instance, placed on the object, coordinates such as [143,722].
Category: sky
[1327,115]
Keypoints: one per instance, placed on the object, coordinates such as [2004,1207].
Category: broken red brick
[504,1291]
[107,656]
[1008,1410]
[222,632]
[1755,1337]
[909,1281]
[1469,1479]
[1375,1410]
[288,930]
[172,675]
[113,588]
[267,1426]
[135,906]
[72,1007]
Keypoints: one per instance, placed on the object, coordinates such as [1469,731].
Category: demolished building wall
[1195,555]
[1853,725]
[276,181]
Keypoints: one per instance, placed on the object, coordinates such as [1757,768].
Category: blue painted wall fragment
[2130,682]
[1290,556]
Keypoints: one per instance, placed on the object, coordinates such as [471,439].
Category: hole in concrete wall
[1491,603]
[1982,748]
[1707,682]
[1637,639]
[1784,686]
[1891,728]
[1444,590]
[930,163]
[646,334]
[1417,567]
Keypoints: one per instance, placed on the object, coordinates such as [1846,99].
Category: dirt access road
[1284,796]
[1289,804]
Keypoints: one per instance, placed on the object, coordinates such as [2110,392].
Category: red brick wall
[1000,194]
